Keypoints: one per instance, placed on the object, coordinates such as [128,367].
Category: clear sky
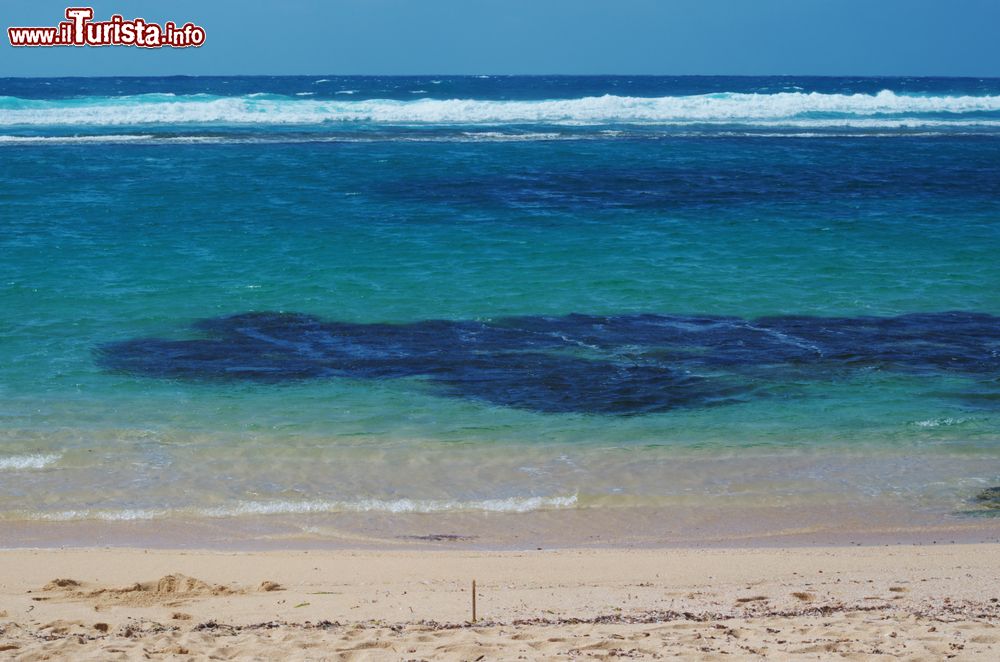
[828,37]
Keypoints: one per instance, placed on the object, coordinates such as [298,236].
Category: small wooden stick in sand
[473,600]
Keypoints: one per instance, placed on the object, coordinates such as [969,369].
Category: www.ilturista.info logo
[81,30]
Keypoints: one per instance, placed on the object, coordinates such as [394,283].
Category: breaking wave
[256,508]
[885,108]
[70,140]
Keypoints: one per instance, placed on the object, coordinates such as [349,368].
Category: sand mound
[178,584]
[168,590]
[57,584]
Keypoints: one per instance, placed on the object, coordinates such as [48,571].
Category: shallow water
[843,239]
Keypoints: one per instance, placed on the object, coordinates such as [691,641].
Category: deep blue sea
[253,297]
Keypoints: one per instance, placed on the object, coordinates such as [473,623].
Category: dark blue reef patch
[618,365]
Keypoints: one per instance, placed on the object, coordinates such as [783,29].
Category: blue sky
[827,37]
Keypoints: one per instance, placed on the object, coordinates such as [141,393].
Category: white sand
[912,602]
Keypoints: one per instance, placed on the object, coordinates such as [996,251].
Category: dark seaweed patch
[625,364]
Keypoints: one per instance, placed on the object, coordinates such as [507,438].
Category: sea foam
[23,462]
[258,508]
[70,140]
[396,506]
[816,109]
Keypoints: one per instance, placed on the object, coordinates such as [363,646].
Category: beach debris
[990,497]
[174,650]
[439,537]
[473,600]
[268,586]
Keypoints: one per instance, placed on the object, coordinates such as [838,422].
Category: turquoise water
[136,225]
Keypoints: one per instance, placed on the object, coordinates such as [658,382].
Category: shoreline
[591,528]
[914,601]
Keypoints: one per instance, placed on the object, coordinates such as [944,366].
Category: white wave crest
[241,139]
[69,140]
[608,109]
[941,422]
[128,515]
[393,506]
[22,462]
[400,506]
[499,136]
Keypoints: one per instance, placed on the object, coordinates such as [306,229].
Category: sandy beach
[912,602]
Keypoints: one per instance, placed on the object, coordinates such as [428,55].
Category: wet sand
[935,601]
[689,523]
